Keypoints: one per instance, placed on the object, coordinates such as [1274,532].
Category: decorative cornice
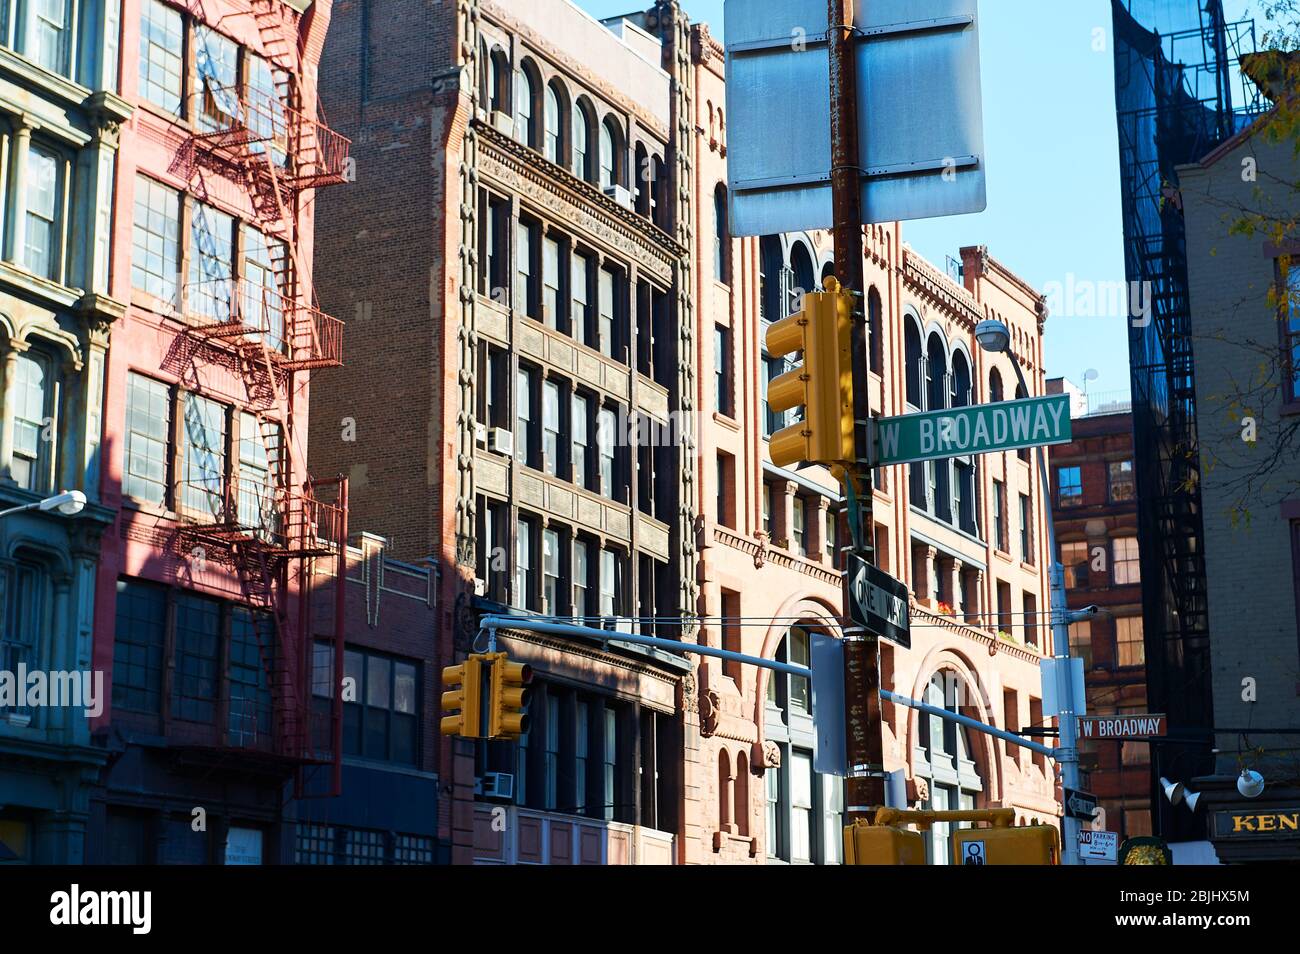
[986,639]
[928,281]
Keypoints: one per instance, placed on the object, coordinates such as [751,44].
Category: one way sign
[1080,804]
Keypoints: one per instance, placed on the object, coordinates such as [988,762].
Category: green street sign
[977,429]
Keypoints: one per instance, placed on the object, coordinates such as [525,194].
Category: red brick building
[200,619]
[1095,505]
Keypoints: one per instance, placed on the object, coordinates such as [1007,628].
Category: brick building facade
[1095,503]
[530,261]
[200,617]
[1245,319]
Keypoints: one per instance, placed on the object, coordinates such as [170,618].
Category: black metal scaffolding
[1178,94]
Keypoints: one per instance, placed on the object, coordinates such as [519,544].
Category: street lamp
[994,337]
[68,503]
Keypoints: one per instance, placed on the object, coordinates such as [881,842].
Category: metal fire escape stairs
[273,532]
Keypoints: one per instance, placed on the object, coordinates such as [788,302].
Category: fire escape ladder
[271,26]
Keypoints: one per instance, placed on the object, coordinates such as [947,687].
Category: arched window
[954,779]
[741,815]
[876,330]
[525,93]
[644,183]
[803,807]
[960,394]
[995,386]
[721,236]
[610,141]
[828,271]
[771,266]
[553,147]
[582,142]
[912,352]
[724,791]
[936,373]
[499,80]
[805,277]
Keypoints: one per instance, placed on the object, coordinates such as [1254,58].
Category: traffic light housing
[508,697]
[461,699]
[869,844]
[822,385]
[1023,845]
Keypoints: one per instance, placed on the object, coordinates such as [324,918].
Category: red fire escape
[284,533]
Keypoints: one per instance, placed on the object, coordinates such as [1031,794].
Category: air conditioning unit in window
[480,434]
[480,587]
[503,122]
[620,195]
[621,624]
[497,785]
[503,441]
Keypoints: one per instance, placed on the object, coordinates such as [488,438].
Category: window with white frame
[148,430]
[551,571]
[33,422]
[1125,566]
[550,427]
[264,303]
[1119,479]
[155,239]
[1130,650]
[162,55]
[265,110]
[41,254]
[579,410]
[608,583]
[605,435]
[582,579]
[260,449]
[49,25]
[522,597]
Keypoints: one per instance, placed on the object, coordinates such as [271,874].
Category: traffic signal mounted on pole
[508,697]
[462,698]
[822,385]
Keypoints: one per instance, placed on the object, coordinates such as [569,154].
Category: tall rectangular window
[523,416]
[722,369]
[1026,529]
[609,583]
[801,804]
[578,414]
[148,430]
[1030,603]
[212,263]
[42,252]
[1119,478]
[267,117]
[605,440]
[582,580]
[204,449]
[550,427]
[49,22]
[264,300]
[551,754]
[609,777]
[1129,647]
[580,297]
[551,572]
[523,590]
[138,646]
[526,297]
[260,449]
[248,700]
[197,655]
[155,239]
[162,51]
[216,59]
[581,713]
[550,282]
[1000,516]
[32,392]
[605,312]
[798,537]
[1081,642]
[1125,565]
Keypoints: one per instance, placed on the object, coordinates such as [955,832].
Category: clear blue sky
[1053,164]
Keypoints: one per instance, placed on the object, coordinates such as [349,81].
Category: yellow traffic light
[508,697]
[822,385]
[461,699]
[1025,845]
[869,844]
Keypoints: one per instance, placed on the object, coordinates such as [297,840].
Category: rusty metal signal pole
[864,738]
